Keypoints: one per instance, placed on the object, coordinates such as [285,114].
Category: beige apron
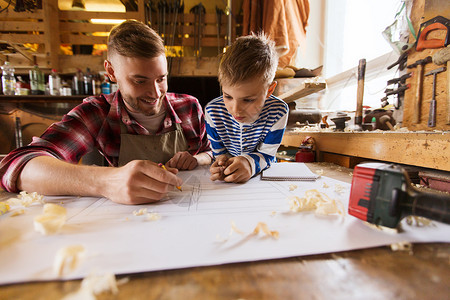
[157,148]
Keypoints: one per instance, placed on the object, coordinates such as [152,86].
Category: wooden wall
[49,28]
[422,11]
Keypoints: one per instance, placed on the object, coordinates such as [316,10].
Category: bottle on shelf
[96,84]
[8,79]
[66,90]
[54,83]
[78,83]
[37,82]
[87,80]
[22,87]
[106,86]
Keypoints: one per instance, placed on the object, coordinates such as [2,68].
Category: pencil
[164,167]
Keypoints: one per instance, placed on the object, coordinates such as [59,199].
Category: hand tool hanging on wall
[149,9]
[177,7]
[399,91]
[419,79]
[360,95]
[437,23]
[401,61]
[432,112]
[382,194]
[162,11]
[439,58]
[219,14]
[199,12]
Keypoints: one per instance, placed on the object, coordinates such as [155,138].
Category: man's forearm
[50,176]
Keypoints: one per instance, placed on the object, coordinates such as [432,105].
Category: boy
[245,125]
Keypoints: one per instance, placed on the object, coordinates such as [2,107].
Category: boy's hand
[238,170]
[182,161]
[218,167]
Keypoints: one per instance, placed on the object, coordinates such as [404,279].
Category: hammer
[382,194]
[417,104]
[439,58]
[386,119]
[432,113]
[360,95]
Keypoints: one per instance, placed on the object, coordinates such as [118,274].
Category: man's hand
[182,161]
[238,170]
[218,167]
[140,181]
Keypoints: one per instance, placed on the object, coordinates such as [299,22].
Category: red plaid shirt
[96,124]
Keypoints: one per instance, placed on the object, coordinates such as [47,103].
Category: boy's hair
[247,58]
[134,39]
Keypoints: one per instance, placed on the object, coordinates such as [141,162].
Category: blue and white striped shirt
[258,142]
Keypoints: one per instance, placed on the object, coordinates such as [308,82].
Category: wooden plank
[86,15]
[141,10]
[82,39]
[191,66]
[206,42]
[23,38]
[32,25]
[52,40]
[70,63]
[305,89]
[11,14]
[428,150]
[206,30]
[84,27]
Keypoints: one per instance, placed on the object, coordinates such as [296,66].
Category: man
[135,128]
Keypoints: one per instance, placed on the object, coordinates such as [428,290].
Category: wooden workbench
[421,149]
[377,273]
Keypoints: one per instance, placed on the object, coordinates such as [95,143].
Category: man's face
[244,101]
[142,81]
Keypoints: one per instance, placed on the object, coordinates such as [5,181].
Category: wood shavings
[150,216]
[319,172]
[339,188]
[235,229]
[95,284]
[382,228]
[418,221]
[4,208]
[140,212]
[153,216]
[261,226]
[52,220]
[24,199]
[402,246]
[292,187]
[316,201]
[16,213]
[67,259]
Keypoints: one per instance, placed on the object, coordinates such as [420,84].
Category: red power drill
[382,194]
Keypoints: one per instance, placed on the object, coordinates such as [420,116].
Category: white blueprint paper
[193,230]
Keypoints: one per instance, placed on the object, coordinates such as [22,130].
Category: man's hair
[132,38]
[249,57]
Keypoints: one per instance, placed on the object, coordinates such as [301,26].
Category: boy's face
[244,101]
[142,81]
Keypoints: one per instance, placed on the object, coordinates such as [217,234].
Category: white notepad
[288,171]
